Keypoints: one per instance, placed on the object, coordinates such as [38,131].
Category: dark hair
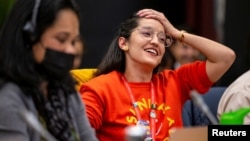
[16,60]
[115,57]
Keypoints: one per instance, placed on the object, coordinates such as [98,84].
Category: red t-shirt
[109,108]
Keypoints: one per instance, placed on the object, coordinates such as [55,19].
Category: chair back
[193,116]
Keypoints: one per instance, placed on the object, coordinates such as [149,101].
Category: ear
[123,43]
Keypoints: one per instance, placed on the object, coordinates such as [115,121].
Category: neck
[137,76]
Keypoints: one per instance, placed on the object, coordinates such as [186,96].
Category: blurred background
[225,21]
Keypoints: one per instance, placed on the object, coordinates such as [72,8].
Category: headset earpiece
[29,30]
[30,26]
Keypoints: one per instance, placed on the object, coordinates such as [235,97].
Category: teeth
[151,51]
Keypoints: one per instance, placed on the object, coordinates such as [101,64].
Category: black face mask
[56,64]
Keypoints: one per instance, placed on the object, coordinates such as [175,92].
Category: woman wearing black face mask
[37,51]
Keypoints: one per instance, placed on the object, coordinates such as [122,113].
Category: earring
[125,48]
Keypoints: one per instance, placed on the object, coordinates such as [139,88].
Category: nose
[70,49]
[155,39]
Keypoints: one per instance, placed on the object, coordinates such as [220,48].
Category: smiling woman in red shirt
[128,89]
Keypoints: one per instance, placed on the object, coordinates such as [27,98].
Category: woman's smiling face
[146,43]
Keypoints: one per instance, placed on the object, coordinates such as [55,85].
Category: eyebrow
[146,27]
[78,37]
[62,34]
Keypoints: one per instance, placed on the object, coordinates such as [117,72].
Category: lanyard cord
[153,106]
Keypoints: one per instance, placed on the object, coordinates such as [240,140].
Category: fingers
[144,12]
[149,13]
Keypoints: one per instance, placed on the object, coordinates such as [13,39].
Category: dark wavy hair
[114,59]
[16,59]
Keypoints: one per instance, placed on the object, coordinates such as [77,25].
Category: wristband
[181,38]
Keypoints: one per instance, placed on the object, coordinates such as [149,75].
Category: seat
[82,75]
[192,114]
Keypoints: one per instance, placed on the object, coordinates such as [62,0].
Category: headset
[30,26]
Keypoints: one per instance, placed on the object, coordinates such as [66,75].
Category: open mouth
[152,51]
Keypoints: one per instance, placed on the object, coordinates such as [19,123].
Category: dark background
[237,36]
[100,19]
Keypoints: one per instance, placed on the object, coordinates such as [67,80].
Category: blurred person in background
[237,94]
[37,51]
[180,53]
[79,45]
[81,75]
[128,89]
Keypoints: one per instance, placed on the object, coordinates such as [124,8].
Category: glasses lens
[169,41]
[145,32]
[148,33]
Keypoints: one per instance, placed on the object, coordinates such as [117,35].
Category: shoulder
[11,91]
[12,95]
[12,105]
[166,72]
[101,82]
[194,76]
[108,78]
[12,99]
[239,89]
[240,85]
[234,97]
[237,94]
[198,67]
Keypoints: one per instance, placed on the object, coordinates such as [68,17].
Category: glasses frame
[168,42]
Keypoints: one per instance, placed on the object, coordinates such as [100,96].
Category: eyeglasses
[148,34]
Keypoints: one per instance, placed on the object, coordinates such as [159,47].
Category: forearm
[219,57]
[214,51]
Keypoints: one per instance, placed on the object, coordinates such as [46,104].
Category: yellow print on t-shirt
[146,105]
